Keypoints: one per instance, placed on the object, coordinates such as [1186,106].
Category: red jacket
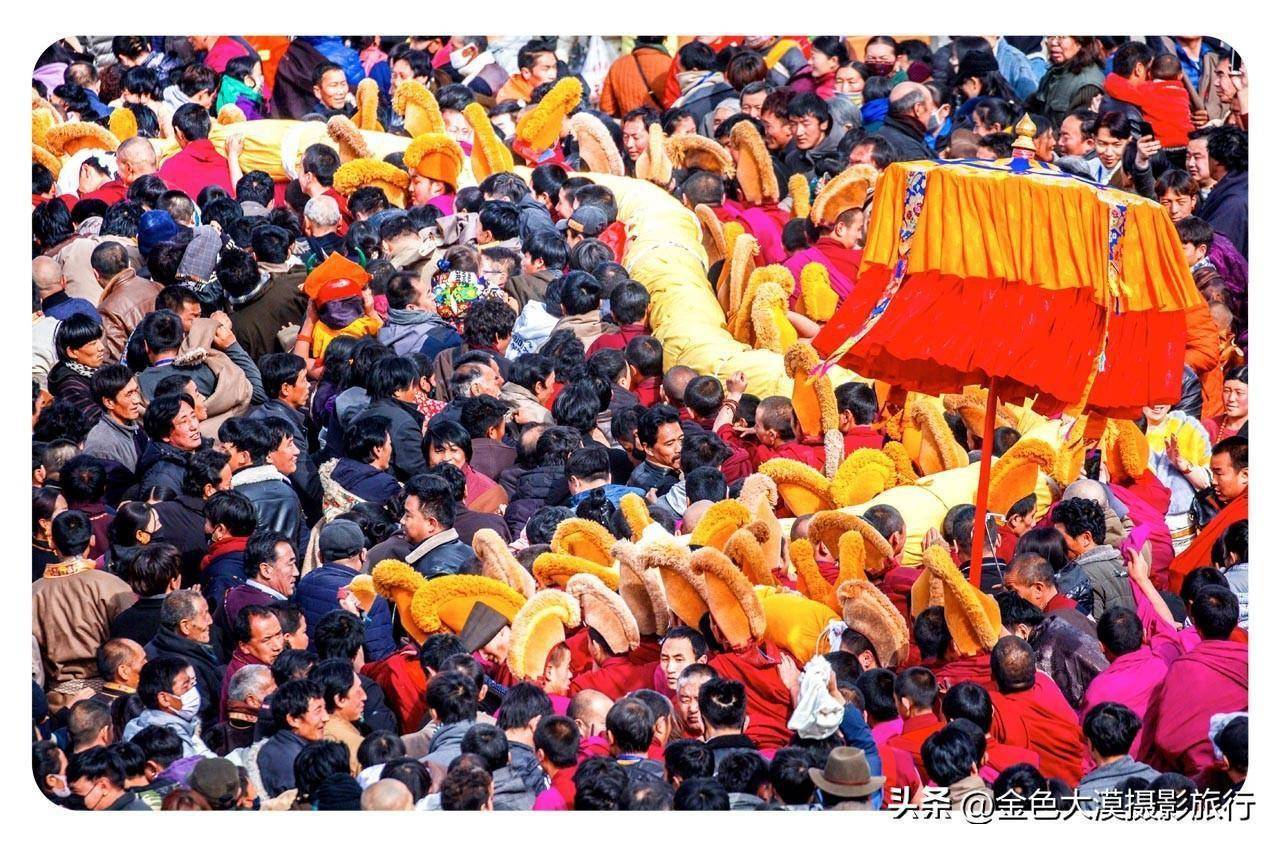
[860,437]
[618,340]
[194,166]
[646,391]
[768,699]
[915,731]
[404,684]
[1165,104]
[109,192]
[614,237]
[616,677]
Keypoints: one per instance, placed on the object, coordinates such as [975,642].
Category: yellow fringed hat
[123,123]
[830,526]
[938,449]
[1125,450]
[804,489]
[1016,473]
[742,299]
[745,548]
[794,622]
[771,328]
[398,582]
[363,590]
[719,522]
[641,588]
[67,139]
[741,250]
[847,190]
[444,603]
[537,628]
[868,611]
[973,617]
[41,121]
[636,512]
[809,579]
[605,612]
[556,568]
[971,405]
[358,173]
[730,597]
[654,165]
[585,539]
[435,156]
[760,495]
[41,156]
[712,231]
[488,154]
[798,190]
[685,589]
[539,127]
[351,144]
[366,116]
[866,473]
[818,300]
[497,562]
[596,149]
[814,402]
[695,151]
[231,113]
[419,107]
[755,174]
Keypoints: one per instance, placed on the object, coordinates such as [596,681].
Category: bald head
[906,96]
[676,380]
[386,795]
[1013,665]
[135,158]
[1087,489]
[693,514]
[47,276]
[588,708]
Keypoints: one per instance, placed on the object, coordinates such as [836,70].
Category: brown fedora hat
[846,774]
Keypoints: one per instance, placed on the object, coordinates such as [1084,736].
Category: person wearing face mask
[49,765]
[912,116]
[96,778]
[470,58]
[881,57]
[171,698]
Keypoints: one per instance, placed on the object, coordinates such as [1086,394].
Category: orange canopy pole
[984,481]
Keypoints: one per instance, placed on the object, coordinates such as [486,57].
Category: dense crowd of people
[362,477]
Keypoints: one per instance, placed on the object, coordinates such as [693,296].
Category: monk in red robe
[915,690]
[616,674]
[1031,712]
[1212,678]
[841,262]
[404,683]
[1229,470]
[768,696]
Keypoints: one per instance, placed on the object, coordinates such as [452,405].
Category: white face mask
[190,704]
[459,58]
[934,124]
[62,792]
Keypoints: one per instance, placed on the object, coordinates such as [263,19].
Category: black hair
[931,634]
[51,224]
[292,699]
[434,495]
[704,483]
[688,758]
[381,747]
[577,407]
[1079,515]
[558,738]
[631,722]
[547,246]
[321,162]
[1111,728]
[261,549]
[859,399]
[488,321]
[363,436]
[338,634]
[442,433]
[72,533]
[93,764]
[501,219]
[1229,147]
[391,374]
[653,419]
[700,794]
[789,774]
[453,477]
[541,526]
[151,569]
[949,754]
[743,771]
[599,784]
[970,701]
[723,703]
[278,370]
[810,105]
[451,696]
[334,676]
[703,395]
[192,121]
[1120,630]
[157,677]
[1215,611]
[318,762]
[488,743]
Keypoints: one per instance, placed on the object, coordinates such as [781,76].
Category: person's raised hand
[1199,118]
[1148,146]
[932,538]
[736,384]
[223,337]
[1139,567]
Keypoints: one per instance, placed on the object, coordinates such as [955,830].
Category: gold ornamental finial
[1026,131]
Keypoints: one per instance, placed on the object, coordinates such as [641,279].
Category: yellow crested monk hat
[41,156]
[122,123]
[441,604]
[67,139]
[1016,473]
[537,628]
[867,610]
[640,586]
[497,562]
[366,116]
[636,512]
[742,298]
[928,438]
[696,152]
[1125,450]
[847,190]
[971,405]
[435,156]
[973,617]
[746,549]
[731,598]
[830,528]
[584,539]
[596,150]
[803,489]
[868,472]
[359,173]
[740,251]
[419,108]
[654,165]
[814,401]
[488,154]
[798,191]
[759,494]
[605,612]
[720,521]
[754,170]
[556,568]
[538,128]
[685,589]
[351,144]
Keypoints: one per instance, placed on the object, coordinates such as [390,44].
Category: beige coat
[339,728]
[234,392]
[71,617]
[587,327]
[74,258]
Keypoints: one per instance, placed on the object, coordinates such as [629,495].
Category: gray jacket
[1111,776]
[188,732]
[113,442]
[1110,579]
[446,744]
[510,793]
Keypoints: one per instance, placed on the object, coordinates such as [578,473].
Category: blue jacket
[365,481]
[223,573]
[340,54]
[275,761]
[317,595]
